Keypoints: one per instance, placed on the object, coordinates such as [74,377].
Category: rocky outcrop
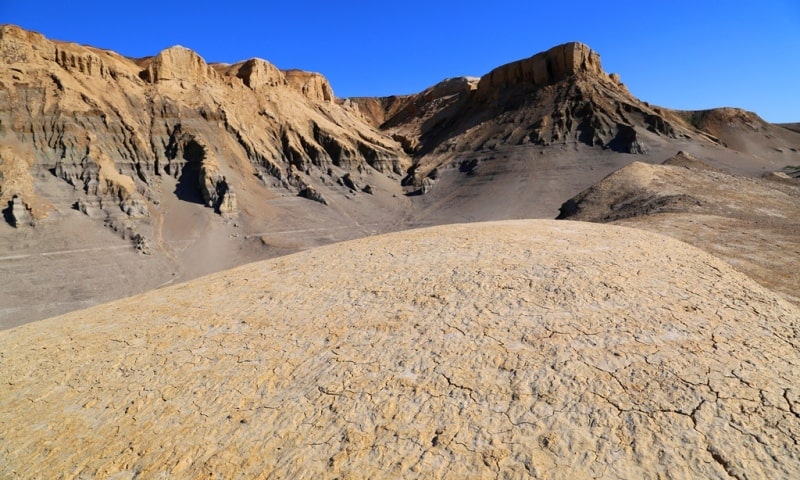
[626,139]
[687,160]
[177,63]
[558,97]
[629,192]
[713,119]
[396,111]
[19,47]
[193,161]
[113,127]
[782,177]
[311,193]
[543,68]
[745,131]
[311,84]
[227,204]
[214,188]
[447,88]
[410,119]
[347,181]
[749,222]
[256,74]
[17,213]
[375,110]
[20,202]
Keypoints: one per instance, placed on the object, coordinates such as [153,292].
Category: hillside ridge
[513,348]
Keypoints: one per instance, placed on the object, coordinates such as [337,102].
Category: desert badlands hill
[752,223]
[518,349]
[120,175]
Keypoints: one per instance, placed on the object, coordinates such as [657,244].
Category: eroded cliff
[112,127]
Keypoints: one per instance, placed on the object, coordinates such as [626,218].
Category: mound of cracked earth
[522,348]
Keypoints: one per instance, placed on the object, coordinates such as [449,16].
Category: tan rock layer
[100,121]
[524,349]
[178,63]
[17,185]
[543,68]
[311,84]
[256,73]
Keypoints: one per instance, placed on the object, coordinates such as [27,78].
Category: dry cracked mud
[498,350]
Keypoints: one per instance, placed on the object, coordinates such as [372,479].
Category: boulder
[227,204]
[18,213]
[311,193]
[346,180]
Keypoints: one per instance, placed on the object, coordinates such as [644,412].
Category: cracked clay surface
[499,350]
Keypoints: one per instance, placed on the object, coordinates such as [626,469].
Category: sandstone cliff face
[19,201]
[255,73]
[311,84]
[543,68]
[177,63]
[112,127]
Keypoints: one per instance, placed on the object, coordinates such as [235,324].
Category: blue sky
[677,54]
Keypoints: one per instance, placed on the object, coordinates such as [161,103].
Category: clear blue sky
[678,54]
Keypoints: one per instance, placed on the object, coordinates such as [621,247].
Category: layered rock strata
[112,127]
[558,97]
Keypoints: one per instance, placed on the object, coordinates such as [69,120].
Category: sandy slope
[513,349]
[750,223]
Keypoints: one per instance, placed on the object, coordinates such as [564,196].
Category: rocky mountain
[112,127]
[508,144]
[561,96]
[120,175]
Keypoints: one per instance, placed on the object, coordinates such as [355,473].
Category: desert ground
[515,349]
